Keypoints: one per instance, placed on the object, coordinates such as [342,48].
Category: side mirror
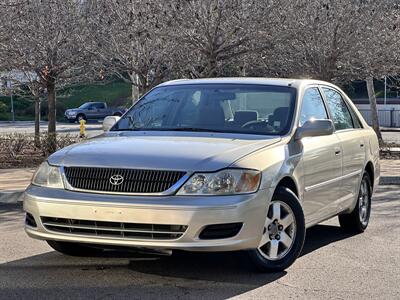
[314,128]
[109,122]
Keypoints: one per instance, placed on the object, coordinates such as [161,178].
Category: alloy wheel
[363,202]
[279,231]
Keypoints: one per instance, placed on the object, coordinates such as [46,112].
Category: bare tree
[45,40]
[127,41]
[35,89]
[215,35]
[337,40]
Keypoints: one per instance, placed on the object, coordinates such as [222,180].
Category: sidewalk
[390,129]
[390,172]
[14,181]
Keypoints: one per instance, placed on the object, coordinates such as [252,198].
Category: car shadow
[136,275]
[322,235]
[232,266]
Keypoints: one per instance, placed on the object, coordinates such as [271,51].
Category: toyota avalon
[211,165]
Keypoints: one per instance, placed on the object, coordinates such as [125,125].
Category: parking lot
[94,128]
[333,265]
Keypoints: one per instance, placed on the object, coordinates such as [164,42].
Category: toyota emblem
[116,179]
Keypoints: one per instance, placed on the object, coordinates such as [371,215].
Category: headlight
[48,176]
[225,182]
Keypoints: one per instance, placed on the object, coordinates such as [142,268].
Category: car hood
[181,151]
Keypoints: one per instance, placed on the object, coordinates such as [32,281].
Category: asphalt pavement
[93,128]
[333,265]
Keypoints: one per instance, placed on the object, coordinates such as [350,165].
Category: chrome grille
[134,181]
[114,229]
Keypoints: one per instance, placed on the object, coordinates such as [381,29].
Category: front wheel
[357,221]
[283,234]
[80,117]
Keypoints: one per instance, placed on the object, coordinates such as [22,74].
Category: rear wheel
[74,249]
[357,221]
[283,233]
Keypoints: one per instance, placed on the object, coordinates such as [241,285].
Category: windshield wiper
[192,129]
[128,129]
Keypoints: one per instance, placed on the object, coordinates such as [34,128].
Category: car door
[350,133]
[322,161]
[99,110]
[90,111]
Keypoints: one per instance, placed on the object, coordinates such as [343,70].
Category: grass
[114,94]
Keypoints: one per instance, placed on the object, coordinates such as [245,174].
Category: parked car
[212,165]
[92,110]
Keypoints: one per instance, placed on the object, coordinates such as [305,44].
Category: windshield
[233,108]
[85,105]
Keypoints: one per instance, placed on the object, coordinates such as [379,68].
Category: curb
[9,197]
[390,130]
[389,180]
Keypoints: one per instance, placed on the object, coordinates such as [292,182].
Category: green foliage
[114,93]
[3,107]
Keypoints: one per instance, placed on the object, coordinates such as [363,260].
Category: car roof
[247,80]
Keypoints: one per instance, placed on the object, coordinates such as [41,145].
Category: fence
[387,117]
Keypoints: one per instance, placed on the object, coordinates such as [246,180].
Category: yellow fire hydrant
[82,128]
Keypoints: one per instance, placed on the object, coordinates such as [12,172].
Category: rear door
[350,133]
[322,162]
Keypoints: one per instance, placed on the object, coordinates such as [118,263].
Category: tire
[357,221]
[74,249]
[80,117]
[275,233]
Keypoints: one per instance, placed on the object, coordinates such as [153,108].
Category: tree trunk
[37,120]
[135,87]
[51,99]
[212,66]
[374,110]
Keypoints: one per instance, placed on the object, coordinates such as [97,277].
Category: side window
[341,116]
[313,107]
[356,120]
[98,105]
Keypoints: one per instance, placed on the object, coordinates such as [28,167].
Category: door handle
[337,151]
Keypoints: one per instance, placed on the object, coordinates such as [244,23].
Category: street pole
[384,101]
[12,107]
[12,102]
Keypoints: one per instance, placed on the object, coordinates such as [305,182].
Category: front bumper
[70,117]
[195,212]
